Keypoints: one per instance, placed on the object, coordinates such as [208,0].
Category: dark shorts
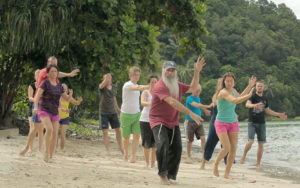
[65,121]
[259,129]
[147,135]
[29,114]
[194,129]
[112,119]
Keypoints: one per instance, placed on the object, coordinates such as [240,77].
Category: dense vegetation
[245,37]
[248,38]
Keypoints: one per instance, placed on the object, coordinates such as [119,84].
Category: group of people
[49,108]
[158,123]
[224,121]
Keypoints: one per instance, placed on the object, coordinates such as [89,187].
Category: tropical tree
[95,35]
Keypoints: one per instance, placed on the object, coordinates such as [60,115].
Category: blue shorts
[259,129]
[35,118]
[112,119]
[65,121]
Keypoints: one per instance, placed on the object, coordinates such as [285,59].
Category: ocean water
[281,157]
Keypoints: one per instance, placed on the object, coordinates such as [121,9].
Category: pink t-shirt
[161,112]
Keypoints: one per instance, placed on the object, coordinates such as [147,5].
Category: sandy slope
[85,164]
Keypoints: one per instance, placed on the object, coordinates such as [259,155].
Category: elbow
[236,101]
[172,102]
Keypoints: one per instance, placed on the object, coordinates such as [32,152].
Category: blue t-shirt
[196,110]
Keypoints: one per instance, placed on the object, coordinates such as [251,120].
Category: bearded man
[164,118]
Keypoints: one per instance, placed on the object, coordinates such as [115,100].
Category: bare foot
[258,168]
[132,160]
[226,176]
[242,160]
[153,165]
[46,158]
[31,153]
[125,157]
[202,167]
[164,180]
[189,160]
[22,153]
[215,170]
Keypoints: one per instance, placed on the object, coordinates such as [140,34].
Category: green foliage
[97,36]
[78,129]
[247,38]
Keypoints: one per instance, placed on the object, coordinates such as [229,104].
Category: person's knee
[49,129]
[260,146]
[250,142]
[126,138]
[136,136]
[105,132]
[232,148]
[226,148]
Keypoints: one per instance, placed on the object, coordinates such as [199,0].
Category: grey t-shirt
[106,104]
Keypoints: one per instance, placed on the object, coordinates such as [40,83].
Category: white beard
[172,85]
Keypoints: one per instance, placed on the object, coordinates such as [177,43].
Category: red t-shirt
[161,112]
[42,76]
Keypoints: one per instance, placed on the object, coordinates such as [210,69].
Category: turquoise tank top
[226,110]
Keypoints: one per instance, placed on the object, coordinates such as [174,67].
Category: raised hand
[199,64]
[79,99]
[107,77]
[252,81]
[74,72]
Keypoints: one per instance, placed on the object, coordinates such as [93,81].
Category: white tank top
[145,112]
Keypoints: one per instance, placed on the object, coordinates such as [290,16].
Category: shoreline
[85,164]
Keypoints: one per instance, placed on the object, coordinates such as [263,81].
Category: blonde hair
[37,71]
[134,69]
[36,74]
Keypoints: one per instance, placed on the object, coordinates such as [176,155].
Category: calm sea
[281,156]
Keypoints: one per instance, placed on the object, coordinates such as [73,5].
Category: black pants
[169,148]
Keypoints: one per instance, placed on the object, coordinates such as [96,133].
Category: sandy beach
[85,163]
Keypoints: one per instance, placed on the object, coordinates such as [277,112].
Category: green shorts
[130,123]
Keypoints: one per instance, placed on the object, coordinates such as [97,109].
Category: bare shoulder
[223,93]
